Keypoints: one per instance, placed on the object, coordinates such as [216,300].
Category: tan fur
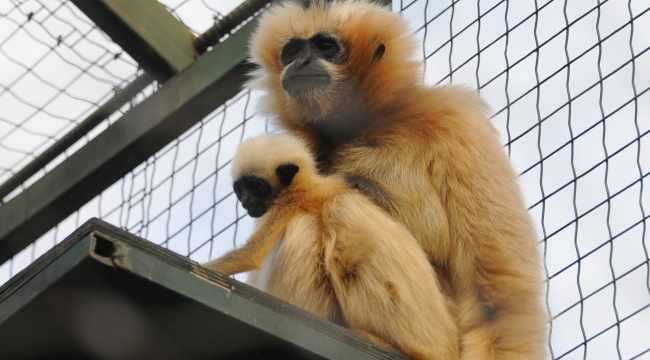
[434,153]
[341,257]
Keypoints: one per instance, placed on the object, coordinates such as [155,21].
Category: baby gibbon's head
[265,165]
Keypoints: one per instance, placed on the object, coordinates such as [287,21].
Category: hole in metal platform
[104,247]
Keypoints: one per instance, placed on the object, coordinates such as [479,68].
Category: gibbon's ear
[379,52]
[286,171]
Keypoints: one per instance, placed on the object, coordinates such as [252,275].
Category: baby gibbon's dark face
[303,62]
[257,194]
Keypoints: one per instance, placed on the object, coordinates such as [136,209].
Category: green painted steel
[211,36]
[160,43]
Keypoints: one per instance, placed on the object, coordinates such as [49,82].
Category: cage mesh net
[566,82]
[57,68]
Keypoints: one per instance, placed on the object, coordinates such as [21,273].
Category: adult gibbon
[343,76]
[340,256]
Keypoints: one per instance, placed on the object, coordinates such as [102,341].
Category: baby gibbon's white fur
[340,256]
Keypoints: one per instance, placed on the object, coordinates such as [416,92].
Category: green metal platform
[106,294]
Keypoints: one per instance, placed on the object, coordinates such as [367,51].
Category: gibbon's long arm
[257,248]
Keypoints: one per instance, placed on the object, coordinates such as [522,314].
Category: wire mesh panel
[57,67]
[567,83]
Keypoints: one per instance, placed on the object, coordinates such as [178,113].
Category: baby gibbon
[344,76]
[338,255]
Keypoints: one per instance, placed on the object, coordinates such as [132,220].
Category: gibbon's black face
[256,193]
[302,60]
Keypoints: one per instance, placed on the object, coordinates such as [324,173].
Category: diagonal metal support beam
[162,45]
[179,104]
[212,36]
[388,3]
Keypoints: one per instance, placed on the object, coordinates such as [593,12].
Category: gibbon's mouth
[298,85]
[257,211]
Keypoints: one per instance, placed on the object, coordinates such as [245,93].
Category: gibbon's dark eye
[257,188]
[291,50]
[326,46]
[253,186]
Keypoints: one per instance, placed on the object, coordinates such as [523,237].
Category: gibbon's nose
[245,199]
[304,58]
